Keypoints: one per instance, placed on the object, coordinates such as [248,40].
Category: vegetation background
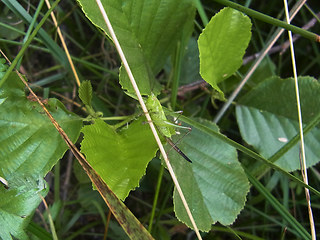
[78,212]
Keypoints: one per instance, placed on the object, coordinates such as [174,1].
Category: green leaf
[267,118]
[85,92]
[18,204]
[38,231]
[7,18]
[3,67]
[214,184]
[190,64]
[222,45]
[117,156]
[125,218]
[30,147]
[147,31]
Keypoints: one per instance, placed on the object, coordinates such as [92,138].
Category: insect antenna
[178,149]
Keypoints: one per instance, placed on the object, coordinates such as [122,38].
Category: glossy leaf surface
[222,45]
[119,157]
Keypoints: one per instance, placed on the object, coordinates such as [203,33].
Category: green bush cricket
[165,128]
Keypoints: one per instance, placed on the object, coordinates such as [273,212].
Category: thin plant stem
[312,12]
[123,215]
[245,150]
[33,22]
[156,196]
[278,206]
[254,66]
[106,228]
[150,122]
[201,12]
[68,175]
[303,153]
[258,170]
[176,73]
[57,182]
[271,20]
[27,43]
[51,223]
[64,45]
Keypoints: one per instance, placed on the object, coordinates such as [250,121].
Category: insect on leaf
[158,117]
[215,185]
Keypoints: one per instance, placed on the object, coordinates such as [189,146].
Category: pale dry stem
[145,110]
[64,45]
[303,154]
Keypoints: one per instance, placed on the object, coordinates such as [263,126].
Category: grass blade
[145,110]
[279,207]
[303,153]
